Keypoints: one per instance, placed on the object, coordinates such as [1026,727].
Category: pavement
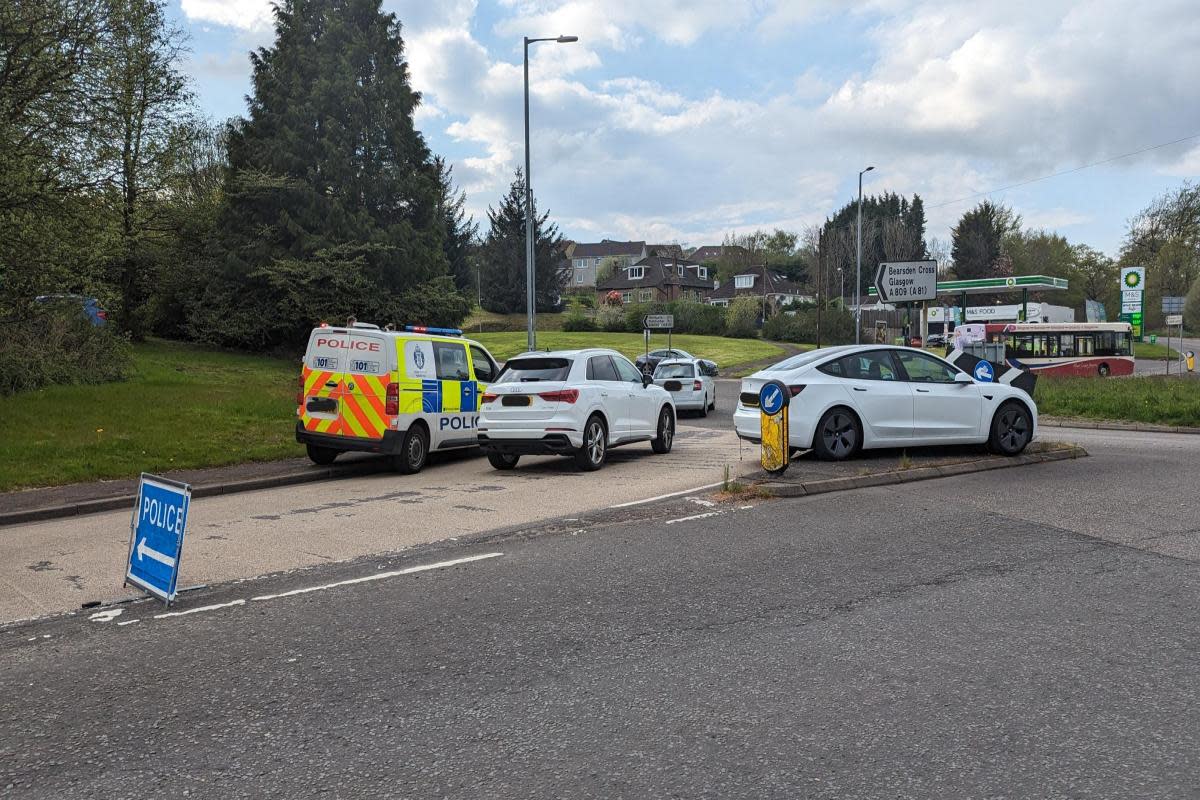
[1018,633]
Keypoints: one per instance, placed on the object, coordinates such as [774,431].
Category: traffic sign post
[773,400]
[906,281]
[1174,321]
[156,536]
[657,322]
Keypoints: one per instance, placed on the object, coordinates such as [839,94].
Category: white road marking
[702,502]
[201,608]
[128,622]
[695,516]
[670,494]
[378,577]
[107,615]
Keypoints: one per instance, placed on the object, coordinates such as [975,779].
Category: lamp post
[530,288]
[842,293]
[858,273]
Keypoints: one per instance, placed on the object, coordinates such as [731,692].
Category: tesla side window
[875,365]
[925,369]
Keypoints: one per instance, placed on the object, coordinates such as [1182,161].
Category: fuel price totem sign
[773,399]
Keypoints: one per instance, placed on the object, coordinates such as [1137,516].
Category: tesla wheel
[414,450]
[503,460]
[1011,430]
[591,456]
[322,456]
[1103,370]
[666,432]
[838,435]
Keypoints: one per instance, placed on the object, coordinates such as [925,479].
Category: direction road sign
[984,373]
[1175,319]
[658,322]
[906,281]
[156,543]
[770,398]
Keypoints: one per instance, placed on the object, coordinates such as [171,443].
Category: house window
[743,281]
[626,297]
[702,272]
[646,295]
[637,273]
[681,272]
[579,277]
[581,263]
[595,262]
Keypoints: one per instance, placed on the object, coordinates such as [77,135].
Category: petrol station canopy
[1025,283]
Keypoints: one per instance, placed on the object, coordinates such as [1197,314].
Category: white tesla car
[572,402]
[863,396]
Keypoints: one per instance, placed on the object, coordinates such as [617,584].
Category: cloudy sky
[683,120]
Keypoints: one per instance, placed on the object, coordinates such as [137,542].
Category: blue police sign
[984,372]
[770,398]
[159,521]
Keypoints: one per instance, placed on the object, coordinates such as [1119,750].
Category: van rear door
[324,363]
[365,379]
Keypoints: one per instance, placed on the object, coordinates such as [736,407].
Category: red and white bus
[1070,348]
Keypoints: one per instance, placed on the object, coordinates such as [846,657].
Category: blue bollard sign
[156,543]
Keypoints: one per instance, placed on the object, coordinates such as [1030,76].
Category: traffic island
[806,475]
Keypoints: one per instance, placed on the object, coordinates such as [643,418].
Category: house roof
[711,252]
[777,283]
[659,272]
[607,248]
[664,250]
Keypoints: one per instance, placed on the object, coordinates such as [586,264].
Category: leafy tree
[978,238]
[1191,309]
[329,169]
[503,256]
[607,268]
[1165,238]
[140,93]
[741,319]
[893,229]
[1095,276]
[459,229]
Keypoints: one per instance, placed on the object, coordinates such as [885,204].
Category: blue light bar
[434,331]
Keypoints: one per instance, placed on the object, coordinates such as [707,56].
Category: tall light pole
[842,293]
[530,288]
[858,273]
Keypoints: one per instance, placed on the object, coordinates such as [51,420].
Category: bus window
[1068,344]
[1084,346]
[1123,344]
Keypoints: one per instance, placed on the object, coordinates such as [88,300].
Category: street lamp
[858,273]
[842,293]
[530,289]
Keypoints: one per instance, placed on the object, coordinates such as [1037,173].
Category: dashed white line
[200,609]
[695,516]
[377,577]
[669,494]
[127,622]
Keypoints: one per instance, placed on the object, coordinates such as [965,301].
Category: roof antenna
[351,322]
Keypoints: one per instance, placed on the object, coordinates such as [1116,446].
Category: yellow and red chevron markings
[360,411]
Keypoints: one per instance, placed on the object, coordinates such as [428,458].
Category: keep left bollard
[773,400]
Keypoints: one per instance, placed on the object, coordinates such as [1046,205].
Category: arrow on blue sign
[161,558]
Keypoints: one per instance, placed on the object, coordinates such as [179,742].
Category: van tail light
[561,396]
[489,397]
[796,389]
[391,404]
[300,391]
[697,386]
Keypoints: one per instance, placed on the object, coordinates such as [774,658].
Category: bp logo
[419,358]
[1010,282]
[1133,279]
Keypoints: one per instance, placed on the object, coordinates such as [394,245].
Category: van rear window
[528,370]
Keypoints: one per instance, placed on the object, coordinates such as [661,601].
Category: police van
[403,393]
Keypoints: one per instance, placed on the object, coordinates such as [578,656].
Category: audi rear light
[796,389]
[391,404]
[489,397]
[697,386]
[561,396]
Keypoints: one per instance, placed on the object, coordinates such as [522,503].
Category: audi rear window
[530,370]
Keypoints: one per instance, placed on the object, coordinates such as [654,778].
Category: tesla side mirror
[646,380]
[963,378]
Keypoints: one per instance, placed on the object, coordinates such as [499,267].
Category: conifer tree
[503,256]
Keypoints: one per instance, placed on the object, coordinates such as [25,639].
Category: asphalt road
[1021,633]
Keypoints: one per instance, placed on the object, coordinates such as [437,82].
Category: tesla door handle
[859,389]
[926,391]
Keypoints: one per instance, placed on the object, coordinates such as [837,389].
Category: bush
[611,319]
[837,327]
[690,316]
[1191,309]
[741,320]
[60,345]
[576,320]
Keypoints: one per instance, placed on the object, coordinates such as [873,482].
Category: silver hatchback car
[691,382]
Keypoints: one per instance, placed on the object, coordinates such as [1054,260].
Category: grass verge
[1155,351]
[1157,400]
[728,353]
[183,407]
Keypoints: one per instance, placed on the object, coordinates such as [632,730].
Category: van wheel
[591,456]
[414,450]
[666,432]
[503,460]
[321,456]
[1103,370]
